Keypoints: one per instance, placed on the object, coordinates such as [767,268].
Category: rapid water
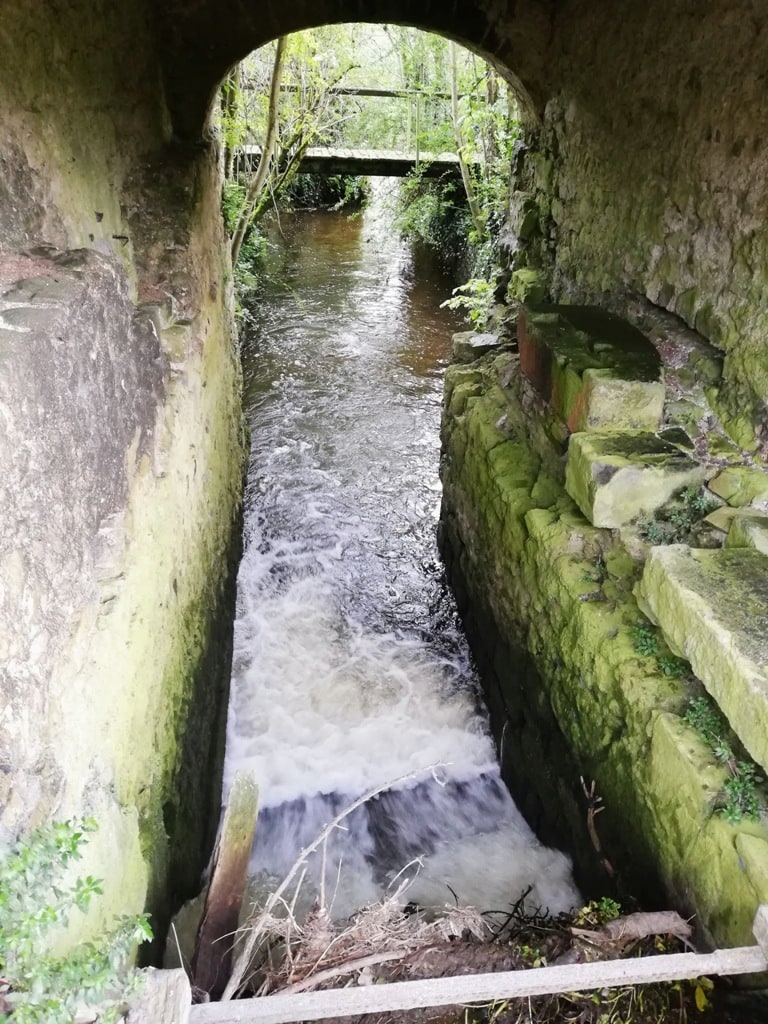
[350,668]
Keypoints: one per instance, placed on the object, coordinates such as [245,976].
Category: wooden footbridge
[388,163]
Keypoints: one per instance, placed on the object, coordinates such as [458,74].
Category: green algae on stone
[533,572]
[526,285]
[614,478]
[741,485]
[712,607]
[748,529]
[753,855]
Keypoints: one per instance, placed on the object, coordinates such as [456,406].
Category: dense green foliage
[334,192]
[428,97]
[37,898]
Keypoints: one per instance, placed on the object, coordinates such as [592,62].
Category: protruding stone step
[741,485]
[597,371]
[469,345]
[615,478]
[749,530]
[712,606]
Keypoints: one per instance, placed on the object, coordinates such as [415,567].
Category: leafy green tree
[285,99]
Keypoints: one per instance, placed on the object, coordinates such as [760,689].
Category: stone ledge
[712,607]
[749,529]
[595,370]
[614,478]
[741,486]
[469,345]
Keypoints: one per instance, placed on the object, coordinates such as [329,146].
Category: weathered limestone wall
[121,453]
[547,481]
[649,174]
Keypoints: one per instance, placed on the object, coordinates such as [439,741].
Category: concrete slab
[712,606]
[615,478]
[597,371]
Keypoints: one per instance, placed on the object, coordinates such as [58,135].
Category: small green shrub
[476,298]
[644,640]
[741,790]
[676,522]
[671,666]
[37,898]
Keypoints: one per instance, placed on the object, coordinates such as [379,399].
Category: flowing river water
[350,667]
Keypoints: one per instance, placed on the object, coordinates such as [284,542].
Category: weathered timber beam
[480,988]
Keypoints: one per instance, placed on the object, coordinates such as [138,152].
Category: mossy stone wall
[549,602]
[122,453]
[648,171]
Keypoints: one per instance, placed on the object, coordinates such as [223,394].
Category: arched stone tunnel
[641,177]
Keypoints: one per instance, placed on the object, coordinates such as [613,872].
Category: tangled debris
[280,950]
[392,941]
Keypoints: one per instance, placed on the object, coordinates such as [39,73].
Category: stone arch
[201,44]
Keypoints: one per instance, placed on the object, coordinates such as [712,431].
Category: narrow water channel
[350,667]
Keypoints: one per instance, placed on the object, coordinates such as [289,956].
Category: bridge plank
[388,163]
[479,988]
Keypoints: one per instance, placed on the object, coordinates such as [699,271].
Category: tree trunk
[474,206]
[267,153]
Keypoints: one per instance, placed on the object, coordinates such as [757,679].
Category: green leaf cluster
[676,522]
[37,898]
[742,789]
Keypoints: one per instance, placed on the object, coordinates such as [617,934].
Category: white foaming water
[350,671]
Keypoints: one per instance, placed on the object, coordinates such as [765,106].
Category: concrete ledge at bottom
[616,477]
[712,606]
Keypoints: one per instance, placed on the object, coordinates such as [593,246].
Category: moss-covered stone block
[748,529]
[526,285]
[712,607]
[741,486]
[614,478]
[595,370]
[753,854]
[700,854]
[470,345]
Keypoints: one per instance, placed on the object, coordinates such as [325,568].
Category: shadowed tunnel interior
[639,183]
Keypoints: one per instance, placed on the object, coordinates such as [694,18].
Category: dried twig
[348,967]
[594,807]
[255,928]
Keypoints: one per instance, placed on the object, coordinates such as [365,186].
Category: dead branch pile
[394,941]
[387,942]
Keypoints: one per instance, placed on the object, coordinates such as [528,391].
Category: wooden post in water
[215,937]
